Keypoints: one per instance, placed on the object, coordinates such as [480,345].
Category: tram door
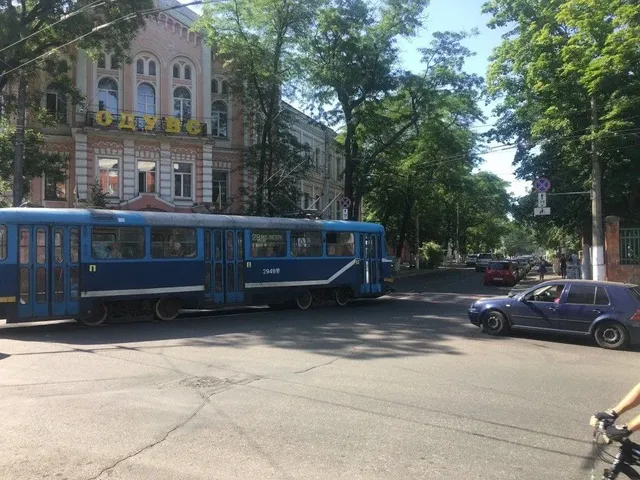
[371,263]
[224,266]
[49,271]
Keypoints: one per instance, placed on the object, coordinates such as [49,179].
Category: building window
[187,72]
[102,63]
[176,71]
[340,244]
[330,165]
[220,187]
[182,103]
[173,242]
[219,119]
[225,88]
[152,68]
[140,67]
[146,176]
[115,62]
[56,103]
[268,243]
[109,243]
[54,190]
[146,99]
[182,176]
[109,176]
[306,244]
[108,95]
[317,159]
[214,86]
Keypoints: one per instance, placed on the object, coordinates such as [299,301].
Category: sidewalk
[531,280]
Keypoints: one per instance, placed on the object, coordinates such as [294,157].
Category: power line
[129,16]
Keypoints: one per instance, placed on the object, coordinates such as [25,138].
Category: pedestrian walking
[563,266]
[542,270]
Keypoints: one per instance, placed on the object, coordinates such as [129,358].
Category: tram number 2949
[270,271]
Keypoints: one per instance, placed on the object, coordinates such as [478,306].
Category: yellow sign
[127,121]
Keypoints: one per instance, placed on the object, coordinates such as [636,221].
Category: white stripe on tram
[141,291]
[303,283]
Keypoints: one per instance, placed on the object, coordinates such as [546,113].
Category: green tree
[350,59]
[519,240]
[257,42]
[568,79]
[39,36]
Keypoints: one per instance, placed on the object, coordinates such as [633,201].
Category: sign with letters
[127,121]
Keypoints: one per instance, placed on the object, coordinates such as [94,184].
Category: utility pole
[18,159]
[417,241]
[597,239]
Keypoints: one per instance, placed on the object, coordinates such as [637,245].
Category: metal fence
[630,246]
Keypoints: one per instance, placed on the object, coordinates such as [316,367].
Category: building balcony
[152,124]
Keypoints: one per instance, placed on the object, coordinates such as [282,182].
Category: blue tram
[91,265]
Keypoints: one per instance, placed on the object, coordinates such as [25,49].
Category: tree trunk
[406,217]
[18,159]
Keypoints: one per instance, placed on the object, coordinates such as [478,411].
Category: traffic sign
[542,200]
[542,211]
[542,185]
[345,214]
[346,202]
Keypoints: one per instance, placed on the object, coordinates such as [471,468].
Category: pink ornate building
[163,132]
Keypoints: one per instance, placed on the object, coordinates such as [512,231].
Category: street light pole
[597,239]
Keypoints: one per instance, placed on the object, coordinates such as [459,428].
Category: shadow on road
[363,330]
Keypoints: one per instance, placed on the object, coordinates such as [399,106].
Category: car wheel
[611,335]
[495,323]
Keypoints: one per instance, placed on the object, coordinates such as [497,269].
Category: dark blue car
[608,311]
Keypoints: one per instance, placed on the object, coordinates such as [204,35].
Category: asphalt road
[401,387]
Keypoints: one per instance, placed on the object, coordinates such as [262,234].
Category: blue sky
[457,15]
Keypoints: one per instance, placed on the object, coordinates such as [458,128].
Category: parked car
[483,261]
[471,259]
[503,272]
[607,311]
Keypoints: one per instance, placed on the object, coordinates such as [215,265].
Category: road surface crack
[206,400]
[352,350]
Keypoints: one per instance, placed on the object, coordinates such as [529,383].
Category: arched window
[187,72]
[219,119]
[225,88]
[146,99]
[176,71]
[115,62]
[214,86]
[108,94]
[140,67]
[152,68]
[56,103]
[102,63]
[182,103]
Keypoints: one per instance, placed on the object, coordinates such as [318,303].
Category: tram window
[240,245]
[3,242]
[74,241]
[217,240]
[218,279]
[41,246]
[207,246]
[57,241]
[24,246]
[268,243]
[24,285]
[340,244]
[230,246]
[173,242]
[306,244]
[73,283]
[41,285]
[59,284]
[108,243]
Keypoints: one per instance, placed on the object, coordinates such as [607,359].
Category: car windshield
[484,255]
[499,266]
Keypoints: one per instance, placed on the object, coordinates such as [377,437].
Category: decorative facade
[164,132]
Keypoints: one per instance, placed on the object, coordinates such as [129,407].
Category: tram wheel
[167,309]
[97,316]
[304,300]
[341,296]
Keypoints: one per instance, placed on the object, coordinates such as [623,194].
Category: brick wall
[615,271]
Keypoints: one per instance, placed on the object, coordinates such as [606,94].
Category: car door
[536,309]
[582,305]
